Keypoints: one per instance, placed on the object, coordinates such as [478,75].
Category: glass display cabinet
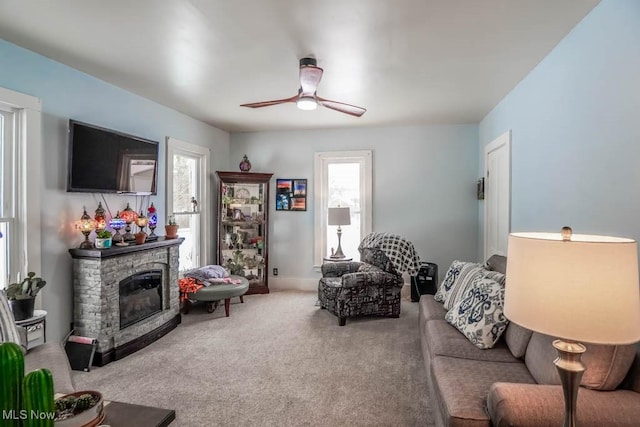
[243,226]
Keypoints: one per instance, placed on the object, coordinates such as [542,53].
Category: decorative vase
[22,308]
[245,164]
[103,243]
[170,231]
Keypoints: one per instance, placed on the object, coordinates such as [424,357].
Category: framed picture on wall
[291,194]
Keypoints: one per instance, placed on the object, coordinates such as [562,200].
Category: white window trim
[321,162]
[28,169]
[176,146]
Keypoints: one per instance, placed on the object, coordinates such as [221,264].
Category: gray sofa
[50,355]
[515,382]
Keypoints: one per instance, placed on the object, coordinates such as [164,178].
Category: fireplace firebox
[140,297]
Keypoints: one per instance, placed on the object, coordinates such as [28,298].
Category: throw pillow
[8,328]
[479,315]
[457,270]
[466,281]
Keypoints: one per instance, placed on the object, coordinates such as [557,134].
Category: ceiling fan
[306,99]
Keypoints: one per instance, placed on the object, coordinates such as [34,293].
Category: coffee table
[120,414]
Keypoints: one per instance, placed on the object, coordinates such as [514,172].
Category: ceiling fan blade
[309,78]
[269,103]
[342,107]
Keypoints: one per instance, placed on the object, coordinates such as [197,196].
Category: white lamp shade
[585,289]
[339,216]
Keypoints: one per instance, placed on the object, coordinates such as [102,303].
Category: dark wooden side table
[120,414]
[337,259]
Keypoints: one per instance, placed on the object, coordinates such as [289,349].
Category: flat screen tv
[107,161]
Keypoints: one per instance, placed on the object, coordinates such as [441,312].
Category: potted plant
[171,228]
[103,239]
[22,295]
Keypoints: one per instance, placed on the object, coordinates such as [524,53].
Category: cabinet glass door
[242,229]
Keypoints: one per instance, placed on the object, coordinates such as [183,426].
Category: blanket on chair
[397,249]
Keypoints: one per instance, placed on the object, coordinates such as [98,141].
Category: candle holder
[86,225]
[141,222]
[101,222]
[153,222]
[129,216]
[117,224]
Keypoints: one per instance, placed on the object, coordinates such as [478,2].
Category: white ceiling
[406,61]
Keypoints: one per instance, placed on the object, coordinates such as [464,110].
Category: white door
[188,201]
[497,202]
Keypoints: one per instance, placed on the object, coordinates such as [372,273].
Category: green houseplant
[103,239]
[22,295]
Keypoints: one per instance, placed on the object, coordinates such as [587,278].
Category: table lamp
[575,287]
[339,216]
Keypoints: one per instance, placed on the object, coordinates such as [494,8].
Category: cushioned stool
[213,293]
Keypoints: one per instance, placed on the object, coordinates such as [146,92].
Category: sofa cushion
[520,404]
[517,339]
[444,340]
[462,286]
[53,357]
[457,271]
[607,365]
[479,315]
[462,386]
[430,309]
[497,263]
[632,380]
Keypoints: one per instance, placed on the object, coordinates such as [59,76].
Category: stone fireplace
[126,297]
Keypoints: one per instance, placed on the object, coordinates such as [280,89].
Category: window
[342,179]
[20,161]
[187,199]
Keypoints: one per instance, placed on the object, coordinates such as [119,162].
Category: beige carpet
[278,360]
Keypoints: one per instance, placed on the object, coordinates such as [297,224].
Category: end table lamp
[339,216]
[575,287]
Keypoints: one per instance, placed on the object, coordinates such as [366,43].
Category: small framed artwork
[291,194]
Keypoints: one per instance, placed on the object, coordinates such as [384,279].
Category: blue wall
[424,188]
[67,93]
[575,122]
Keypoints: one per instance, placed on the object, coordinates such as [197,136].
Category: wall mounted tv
[107,161]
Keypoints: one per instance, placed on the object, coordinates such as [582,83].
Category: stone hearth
[97,274]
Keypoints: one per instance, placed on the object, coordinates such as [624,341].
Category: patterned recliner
[372,286]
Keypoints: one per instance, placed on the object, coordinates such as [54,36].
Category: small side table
[36,327]
[337,259]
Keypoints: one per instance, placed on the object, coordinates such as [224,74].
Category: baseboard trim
[293,283]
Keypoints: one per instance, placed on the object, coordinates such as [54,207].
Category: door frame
[203,154]
[501,142]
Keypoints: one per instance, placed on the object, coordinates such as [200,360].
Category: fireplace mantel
[120,250]
[97,274]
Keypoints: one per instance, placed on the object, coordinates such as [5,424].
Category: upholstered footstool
[213,293]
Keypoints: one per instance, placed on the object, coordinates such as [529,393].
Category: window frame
[203,156]
[26,239]
[321,212]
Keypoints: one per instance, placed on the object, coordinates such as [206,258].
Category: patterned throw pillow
[466,281]
[479,315]
[457,270]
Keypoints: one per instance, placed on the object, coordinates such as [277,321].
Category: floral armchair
[371,287]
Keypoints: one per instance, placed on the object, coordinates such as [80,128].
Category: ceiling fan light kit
[307,103]
[306,99]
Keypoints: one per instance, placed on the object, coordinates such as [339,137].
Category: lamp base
[338,253]
[570,368]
